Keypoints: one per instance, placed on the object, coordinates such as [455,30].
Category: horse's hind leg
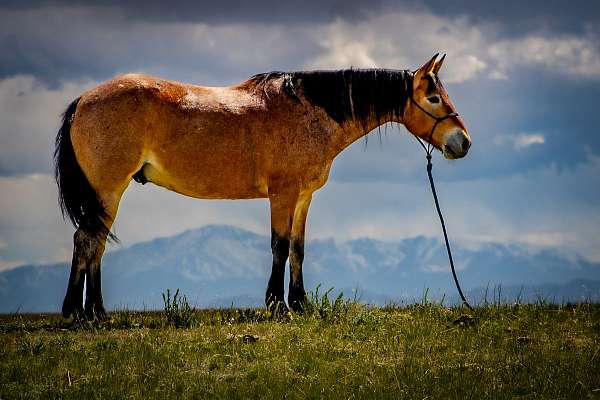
[88,248]
[73,302]
[94,305]
[87,251]
[98,153]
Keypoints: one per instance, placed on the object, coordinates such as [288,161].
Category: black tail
[76,197]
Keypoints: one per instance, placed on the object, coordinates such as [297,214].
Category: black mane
[349,93]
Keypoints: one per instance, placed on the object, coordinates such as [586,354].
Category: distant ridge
[221,265]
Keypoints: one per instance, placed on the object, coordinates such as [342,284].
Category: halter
[429,150]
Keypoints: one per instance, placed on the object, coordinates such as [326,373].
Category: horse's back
[146,88]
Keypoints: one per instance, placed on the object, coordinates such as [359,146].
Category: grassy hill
[338,349]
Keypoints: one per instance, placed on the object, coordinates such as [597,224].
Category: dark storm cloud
[512,16]
[517,17]
[59,40]
[57,43]
[225,11]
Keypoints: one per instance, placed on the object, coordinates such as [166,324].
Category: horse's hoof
[278,308]
[95,312]
[298,306]
[71,308]
[297,301]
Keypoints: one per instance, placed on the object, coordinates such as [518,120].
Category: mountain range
[221,265]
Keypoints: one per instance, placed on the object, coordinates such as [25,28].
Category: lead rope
[429,150]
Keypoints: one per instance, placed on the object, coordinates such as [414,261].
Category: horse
[272,136]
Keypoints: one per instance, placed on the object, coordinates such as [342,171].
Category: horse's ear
[425,68]
[438,65]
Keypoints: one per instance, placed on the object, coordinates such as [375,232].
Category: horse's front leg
[282,208]
[296,293]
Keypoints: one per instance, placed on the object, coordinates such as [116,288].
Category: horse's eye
[433,99]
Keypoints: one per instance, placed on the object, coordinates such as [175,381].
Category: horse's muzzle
[457,145]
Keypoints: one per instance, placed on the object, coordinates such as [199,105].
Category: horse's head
[431,116]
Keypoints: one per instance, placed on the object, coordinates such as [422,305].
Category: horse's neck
[353,130]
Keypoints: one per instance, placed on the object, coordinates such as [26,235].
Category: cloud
[572,55]
[223,11]
[99,42]
[524,140]
[521,141]
[113,38]
[389,40]
[30,114]
[381,41]
[6,265]
[30,223]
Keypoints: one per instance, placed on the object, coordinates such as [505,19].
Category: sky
[525,76]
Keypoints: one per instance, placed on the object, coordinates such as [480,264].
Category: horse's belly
[207,181]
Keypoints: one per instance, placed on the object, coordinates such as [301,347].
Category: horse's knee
[296,259]
[84,244]
[280,247]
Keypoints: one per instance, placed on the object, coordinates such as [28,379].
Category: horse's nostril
[466,144]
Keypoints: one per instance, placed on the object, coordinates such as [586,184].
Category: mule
[272,136]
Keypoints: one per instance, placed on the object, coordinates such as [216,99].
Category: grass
[337,349]
[178,311]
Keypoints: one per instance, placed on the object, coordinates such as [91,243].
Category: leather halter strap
[429,148]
